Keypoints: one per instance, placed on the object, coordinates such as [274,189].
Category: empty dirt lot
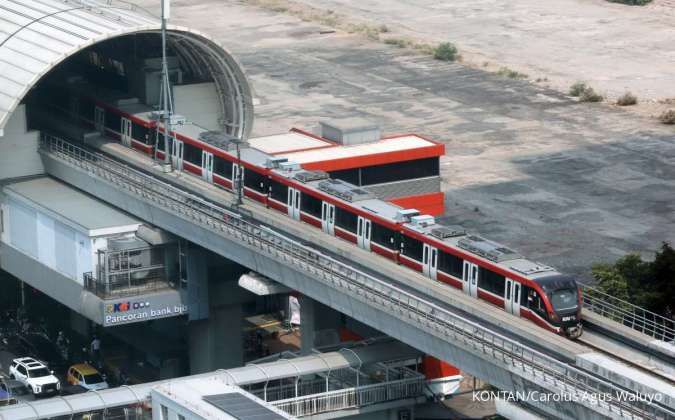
[565,183]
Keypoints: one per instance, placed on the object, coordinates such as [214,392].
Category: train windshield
[564,299]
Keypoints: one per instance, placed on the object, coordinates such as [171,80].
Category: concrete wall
[60,247]
[199,103]
[18,148]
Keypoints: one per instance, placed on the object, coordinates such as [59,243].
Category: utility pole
[166,102]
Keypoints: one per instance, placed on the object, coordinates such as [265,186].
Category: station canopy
[37,35]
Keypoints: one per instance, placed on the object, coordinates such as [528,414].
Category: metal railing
[352,397]
[628,314]
[123,285]
[519,359]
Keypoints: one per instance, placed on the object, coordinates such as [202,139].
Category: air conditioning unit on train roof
[289,166]
[423,220]
[404,215]
[275,162]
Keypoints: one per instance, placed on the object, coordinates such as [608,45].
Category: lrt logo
[125,306]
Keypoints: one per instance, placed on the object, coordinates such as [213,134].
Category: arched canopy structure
[38,35]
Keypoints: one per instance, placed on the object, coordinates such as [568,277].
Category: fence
[632,316]
[352,397]
[408,308]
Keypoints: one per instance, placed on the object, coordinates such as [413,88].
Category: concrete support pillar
[217,342]
[319,324]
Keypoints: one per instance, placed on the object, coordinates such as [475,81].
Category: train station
[161,260]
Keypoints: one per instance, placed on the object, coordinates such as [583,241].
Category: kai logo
[125,306]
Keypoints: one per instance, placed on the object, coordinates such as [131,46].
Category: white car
[35,375]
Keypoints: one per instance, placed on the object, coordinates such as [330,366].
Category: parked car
[87,377]
[43,349]
[16,390]
[35,375]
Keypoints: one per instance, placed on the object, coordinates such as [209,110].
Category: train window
[222,167]
[278,191]
[491,281]
[255,180]
[192,154]
[450,264]
[399,171]
[113,121]
[310,205]
[384,236]
[535,302]
[345,219]
[141,133]
[348,175]
[412,248]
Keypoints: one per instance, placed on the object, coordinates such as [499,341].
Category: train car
[303,177]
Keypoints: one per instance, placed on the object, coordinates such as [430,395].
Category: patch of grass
[511,74]
[383,29]
[399,42]
[627,99]
[578,88]
[590,95]
[631,2]
[445,51]
[668,117]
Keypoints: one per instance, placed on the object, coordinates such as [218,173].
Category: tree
[648,284]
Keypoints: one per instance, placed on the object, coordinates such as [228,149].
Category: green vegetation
[648,284]
[631,2]
[399,42]
[626,99]
[584,92]
[668,117]
[577,88]
[511,74]
[445,51]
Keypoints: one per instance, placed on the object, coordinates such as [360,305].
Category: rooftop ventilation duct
[350,131]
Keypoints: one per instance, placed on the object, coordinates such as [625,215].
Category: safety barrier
[628,314]
[521,360]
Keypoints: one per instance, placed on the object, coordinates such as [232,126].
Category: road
[565,183]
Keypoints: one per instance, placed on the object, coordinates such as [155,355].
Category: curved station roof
[37,35]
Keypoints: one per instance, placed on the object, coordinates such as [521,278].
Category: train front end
[564,297]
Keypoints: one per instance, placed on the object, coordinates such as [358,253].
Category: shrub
[511,74]
[631,2]
[399,42]
[668,117]
[445,51]
[577,88]
[589,95]
[626,99]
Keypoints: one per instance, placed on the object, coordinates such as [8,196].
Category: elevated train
[479,267]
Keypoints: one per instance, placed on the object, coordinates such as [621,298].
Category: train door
[512,296]
[99,119]
[328,218]
[177,154]
[207,166]
[237,176]
[470,279]
[363,229]
[293,203]
[125,131]
[429,261]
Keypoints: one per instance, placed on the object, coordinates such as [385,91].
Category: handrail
[628,314]
[525,362]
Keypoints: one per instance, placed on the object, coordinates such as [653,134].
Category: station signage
[126,311]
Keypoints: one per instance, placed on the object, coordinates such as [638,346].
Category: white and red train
[303,186]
